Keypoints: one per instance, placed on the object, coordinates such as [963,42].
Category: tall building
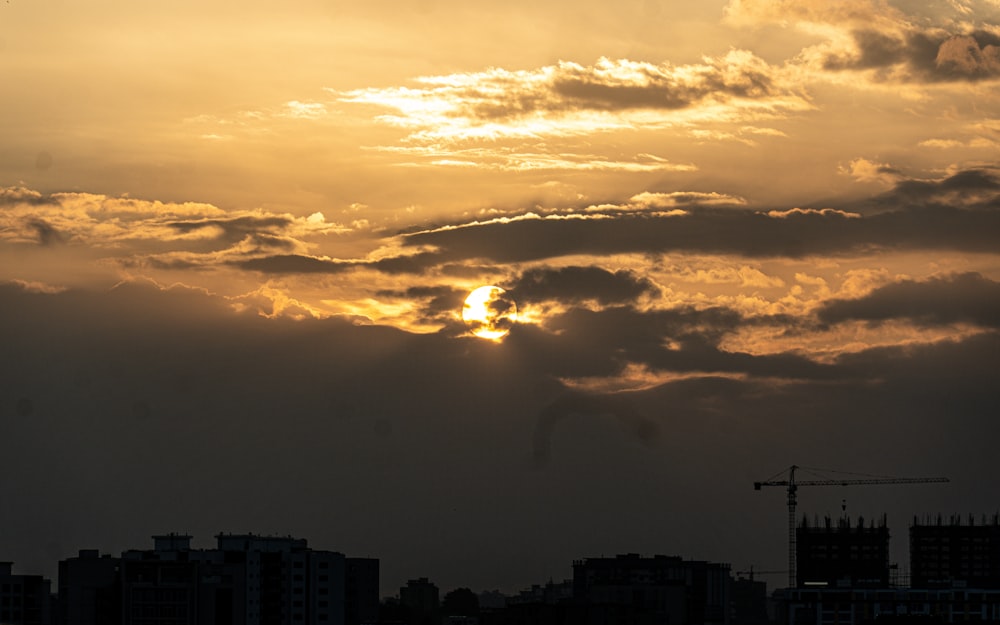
[24,599]
[246,579]
[658,589]
[421,600]
[839,554]
[749,602]
[287,582]
[176,585]
[89,590]
[158,590]
[954,554]
[361,591]
[954,578]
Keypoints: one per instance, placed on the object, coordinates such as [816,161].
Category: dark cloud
[926,55]
[293,263]
[607,85]
[46,233]
[235,229]
[587,89]
[969,57]
[971,188]
[958,212]
[439,299]
[12,196]
[298,263]
[266,241]
[963,298]
[741,232]
[576,284]
[585,343]
[412,263]
[156,410]
[160,263]
[875,50]
[436,303]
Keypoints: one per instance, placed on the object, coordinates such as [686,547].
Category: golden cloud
[471,118]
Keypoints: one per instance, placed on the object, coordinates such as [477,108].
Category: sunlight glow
[489,312]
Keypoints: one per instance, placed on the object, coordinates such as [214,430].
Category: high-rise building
[246,579]
[421,600]
[89,592]
[658,589]
[954,554]
[287,582]
[954,577]
[749,602]
[361,591]
[841,554]
[176,585]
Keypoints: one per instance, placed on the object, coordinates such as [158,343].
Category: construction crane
[792,487]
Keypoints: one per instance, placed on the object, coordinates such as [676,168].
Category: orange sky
[774,191]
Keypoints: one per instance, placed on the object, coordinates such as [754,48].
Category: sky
[236,239]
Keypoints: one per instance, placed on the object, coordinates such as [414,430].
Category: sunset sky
[236,238]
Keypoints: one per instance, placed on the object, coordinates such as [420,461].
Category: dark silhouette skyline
[842,565]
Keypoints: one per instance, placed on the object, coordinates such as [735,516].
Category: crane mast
[792,488]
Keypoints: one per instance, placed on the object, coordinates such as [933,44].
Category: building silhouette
[749,601]
[173,583]
[246,579]
[841,554]
[871,606]
[24,599]
[89,593]
[421,602]
[625,590]
[549,593]
[843,578]
[955,554]
[361,591]
[954,578]
[657,589]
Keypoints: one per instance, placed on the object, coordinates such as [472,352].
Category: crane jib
[792,487]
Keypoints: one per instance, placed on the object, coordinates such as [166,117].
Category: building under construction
[843,574]
[839,553]
[955,553]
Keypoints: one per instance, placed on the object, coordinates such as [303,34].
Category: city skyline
[237,243]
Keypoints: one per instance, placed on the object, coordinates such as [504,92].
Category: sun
[490,312]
